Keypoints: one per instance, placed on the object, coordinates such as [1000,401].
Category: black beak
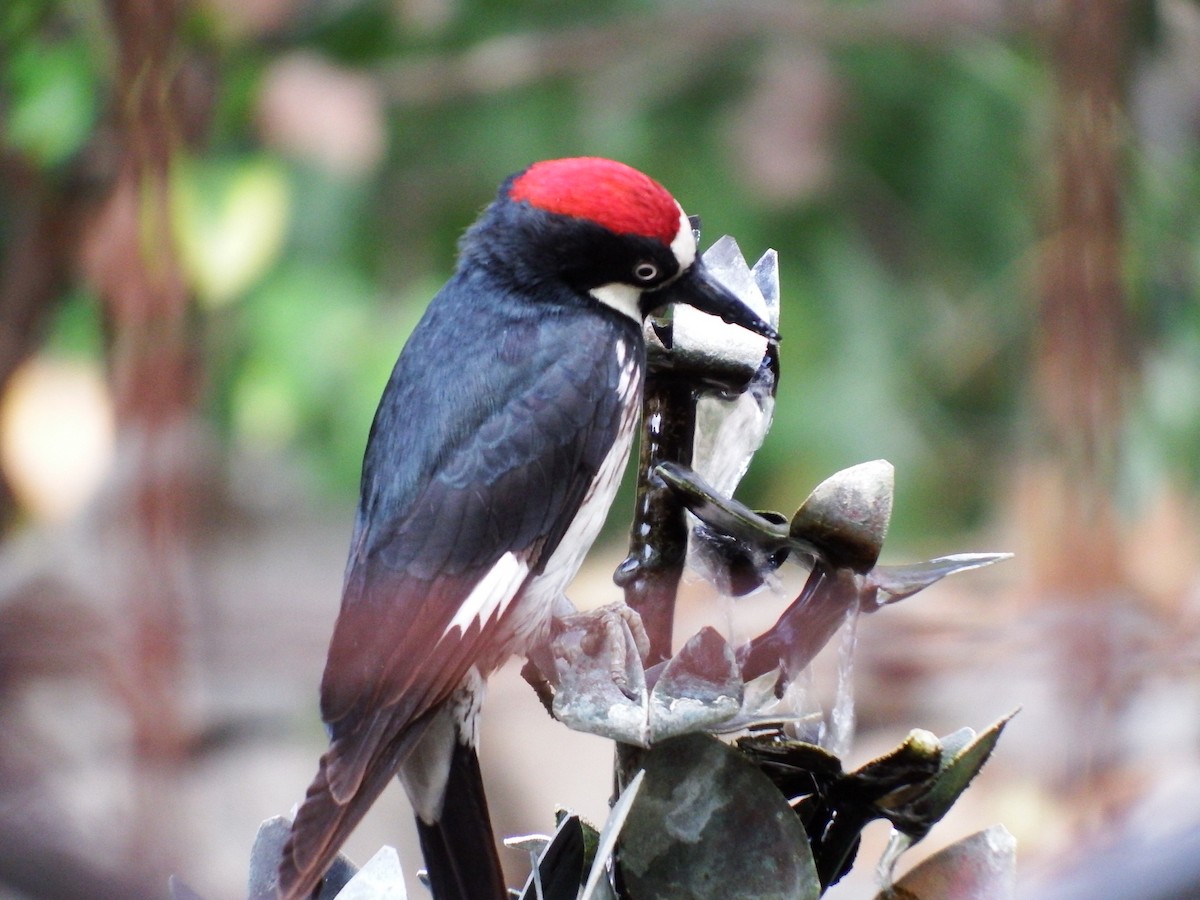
[697,288]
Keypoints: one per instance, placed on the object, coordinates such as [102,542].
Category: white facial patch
[492,594]
[624,298]
[684,244]
[627,298]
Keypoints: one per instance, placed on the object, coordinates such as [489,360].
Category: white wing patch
[491,596]
[629,371]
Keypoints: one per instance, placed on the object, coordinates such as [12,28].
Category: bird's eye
[645,271]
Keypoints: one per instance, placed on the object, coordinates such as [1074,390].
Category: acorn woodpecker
[491,464]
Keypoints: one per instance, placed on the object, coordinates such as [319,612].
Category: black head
[607,231]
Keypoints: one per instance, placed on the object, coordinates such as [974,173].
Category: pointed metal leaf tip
[766,276]
[899,582]
[725,254]
[956,741]
[180,890]
[726,263]
[955,773]
[380,878]
[529,843]
[608,837]
[264,857]
[588,698]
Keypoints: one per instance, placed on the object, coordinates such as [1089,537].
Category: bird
[491,464]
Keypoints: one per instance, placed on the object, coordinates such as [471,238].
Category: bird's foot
[610,637]
[611,632]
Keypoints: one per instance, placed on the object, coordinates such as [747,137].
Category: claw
[617,619]
[631,618]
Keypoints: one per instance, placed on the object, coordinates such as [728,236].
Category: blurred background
[219,219]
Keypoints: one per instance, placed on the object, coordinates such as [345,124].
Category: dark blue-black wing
[520,421]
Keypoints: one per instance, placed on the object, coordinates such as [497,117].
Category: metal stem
[658,539]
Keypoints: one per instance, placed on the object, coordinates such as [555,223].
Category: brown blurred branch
[131,261]
[512,61]
[36,263]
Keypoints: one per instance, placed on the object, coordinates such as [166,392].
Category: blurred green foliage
[908,273]
[51,99]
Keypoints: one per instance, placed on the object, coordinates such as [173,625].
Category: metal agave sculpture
[768,814]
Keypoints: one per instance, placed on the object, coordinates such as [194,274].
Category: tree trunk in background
[153,360]
[1085,359]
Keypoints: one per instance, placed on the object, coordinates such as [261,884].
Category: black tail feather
[460,847]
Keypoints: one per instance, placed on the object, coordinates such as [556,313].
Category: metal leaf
[596,887]
[264,863]
[558,867]
[982,866]
[717,352]
[588,697]
[700,688]
[178,889]
[846,516]
[959,768]
[725,514]
[707,824]
[380,878]
[899,582]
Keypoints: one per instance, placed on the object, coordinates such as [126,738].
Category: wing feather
[498,469]
[509,485]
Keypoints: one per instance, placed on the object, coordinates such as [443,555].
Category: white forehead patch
[684,244]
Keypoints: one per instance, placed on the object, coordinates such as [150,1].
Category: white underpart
[624,298]
[491,596]
[426,770]
[545,590]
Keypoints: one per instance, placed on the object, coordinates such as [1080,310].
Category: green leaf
[230,219]
[52,101]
